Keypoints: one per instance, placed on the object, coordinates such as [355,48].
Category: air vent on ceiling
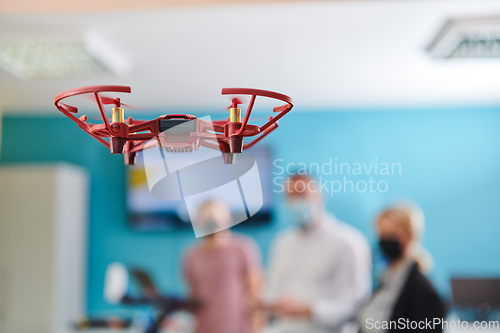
[467,38]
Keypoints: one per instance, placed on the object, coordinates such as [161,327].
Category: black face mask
[391,248]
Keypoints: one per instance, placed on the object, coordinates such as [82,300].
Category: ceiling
[64,6]
[325,55]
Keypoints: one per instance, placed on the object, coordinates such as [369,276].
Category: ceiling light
[467,38]
[29,59]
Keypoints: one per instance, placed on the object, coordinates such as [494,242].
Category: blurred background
[414,84]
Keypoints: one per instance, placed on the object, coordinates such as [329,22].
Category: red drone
[129,137]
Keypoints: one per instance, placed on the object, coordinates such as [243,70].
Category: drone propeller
[117,102]
[236,101]
[106,100]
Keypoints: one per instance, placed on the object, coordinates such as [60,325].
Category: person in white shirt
[320,270]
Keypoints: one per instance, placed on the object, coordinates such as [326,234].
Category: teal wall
[450,162]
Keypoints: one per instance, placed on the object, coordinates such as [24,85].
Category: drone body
[175,133]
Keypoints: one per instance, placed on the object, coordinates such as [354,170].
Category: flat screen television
[475,292]
[146,213]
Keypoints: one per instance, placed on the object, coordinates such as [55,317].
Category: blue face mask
[301,213]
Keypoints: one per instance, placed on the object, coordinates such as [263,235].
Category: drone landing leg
[116,144]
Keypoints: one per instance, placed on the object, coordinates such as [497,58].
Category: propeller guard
[131,136]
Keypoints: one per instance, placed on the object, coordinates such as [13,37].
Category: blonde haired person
[405,297]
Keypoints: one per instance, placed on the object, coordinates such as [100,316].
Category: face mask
[391,248]
[301,213]
[210,226]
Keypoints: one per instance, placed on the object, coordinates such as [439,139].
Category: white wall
[43,222]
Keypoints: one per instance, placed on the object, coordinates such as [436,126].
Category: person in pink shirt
[223,272]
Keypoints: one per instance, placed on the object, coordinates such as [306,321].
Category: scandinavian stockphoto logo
[180,166]
[332,177]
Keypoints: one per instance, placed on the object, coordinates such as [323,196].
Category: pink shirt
[218,278]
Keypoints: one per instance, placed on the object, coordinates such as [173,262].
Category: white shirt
[328,267]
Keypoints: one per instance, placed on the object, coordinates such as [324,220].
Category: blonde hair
[214,210]
[412,218]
